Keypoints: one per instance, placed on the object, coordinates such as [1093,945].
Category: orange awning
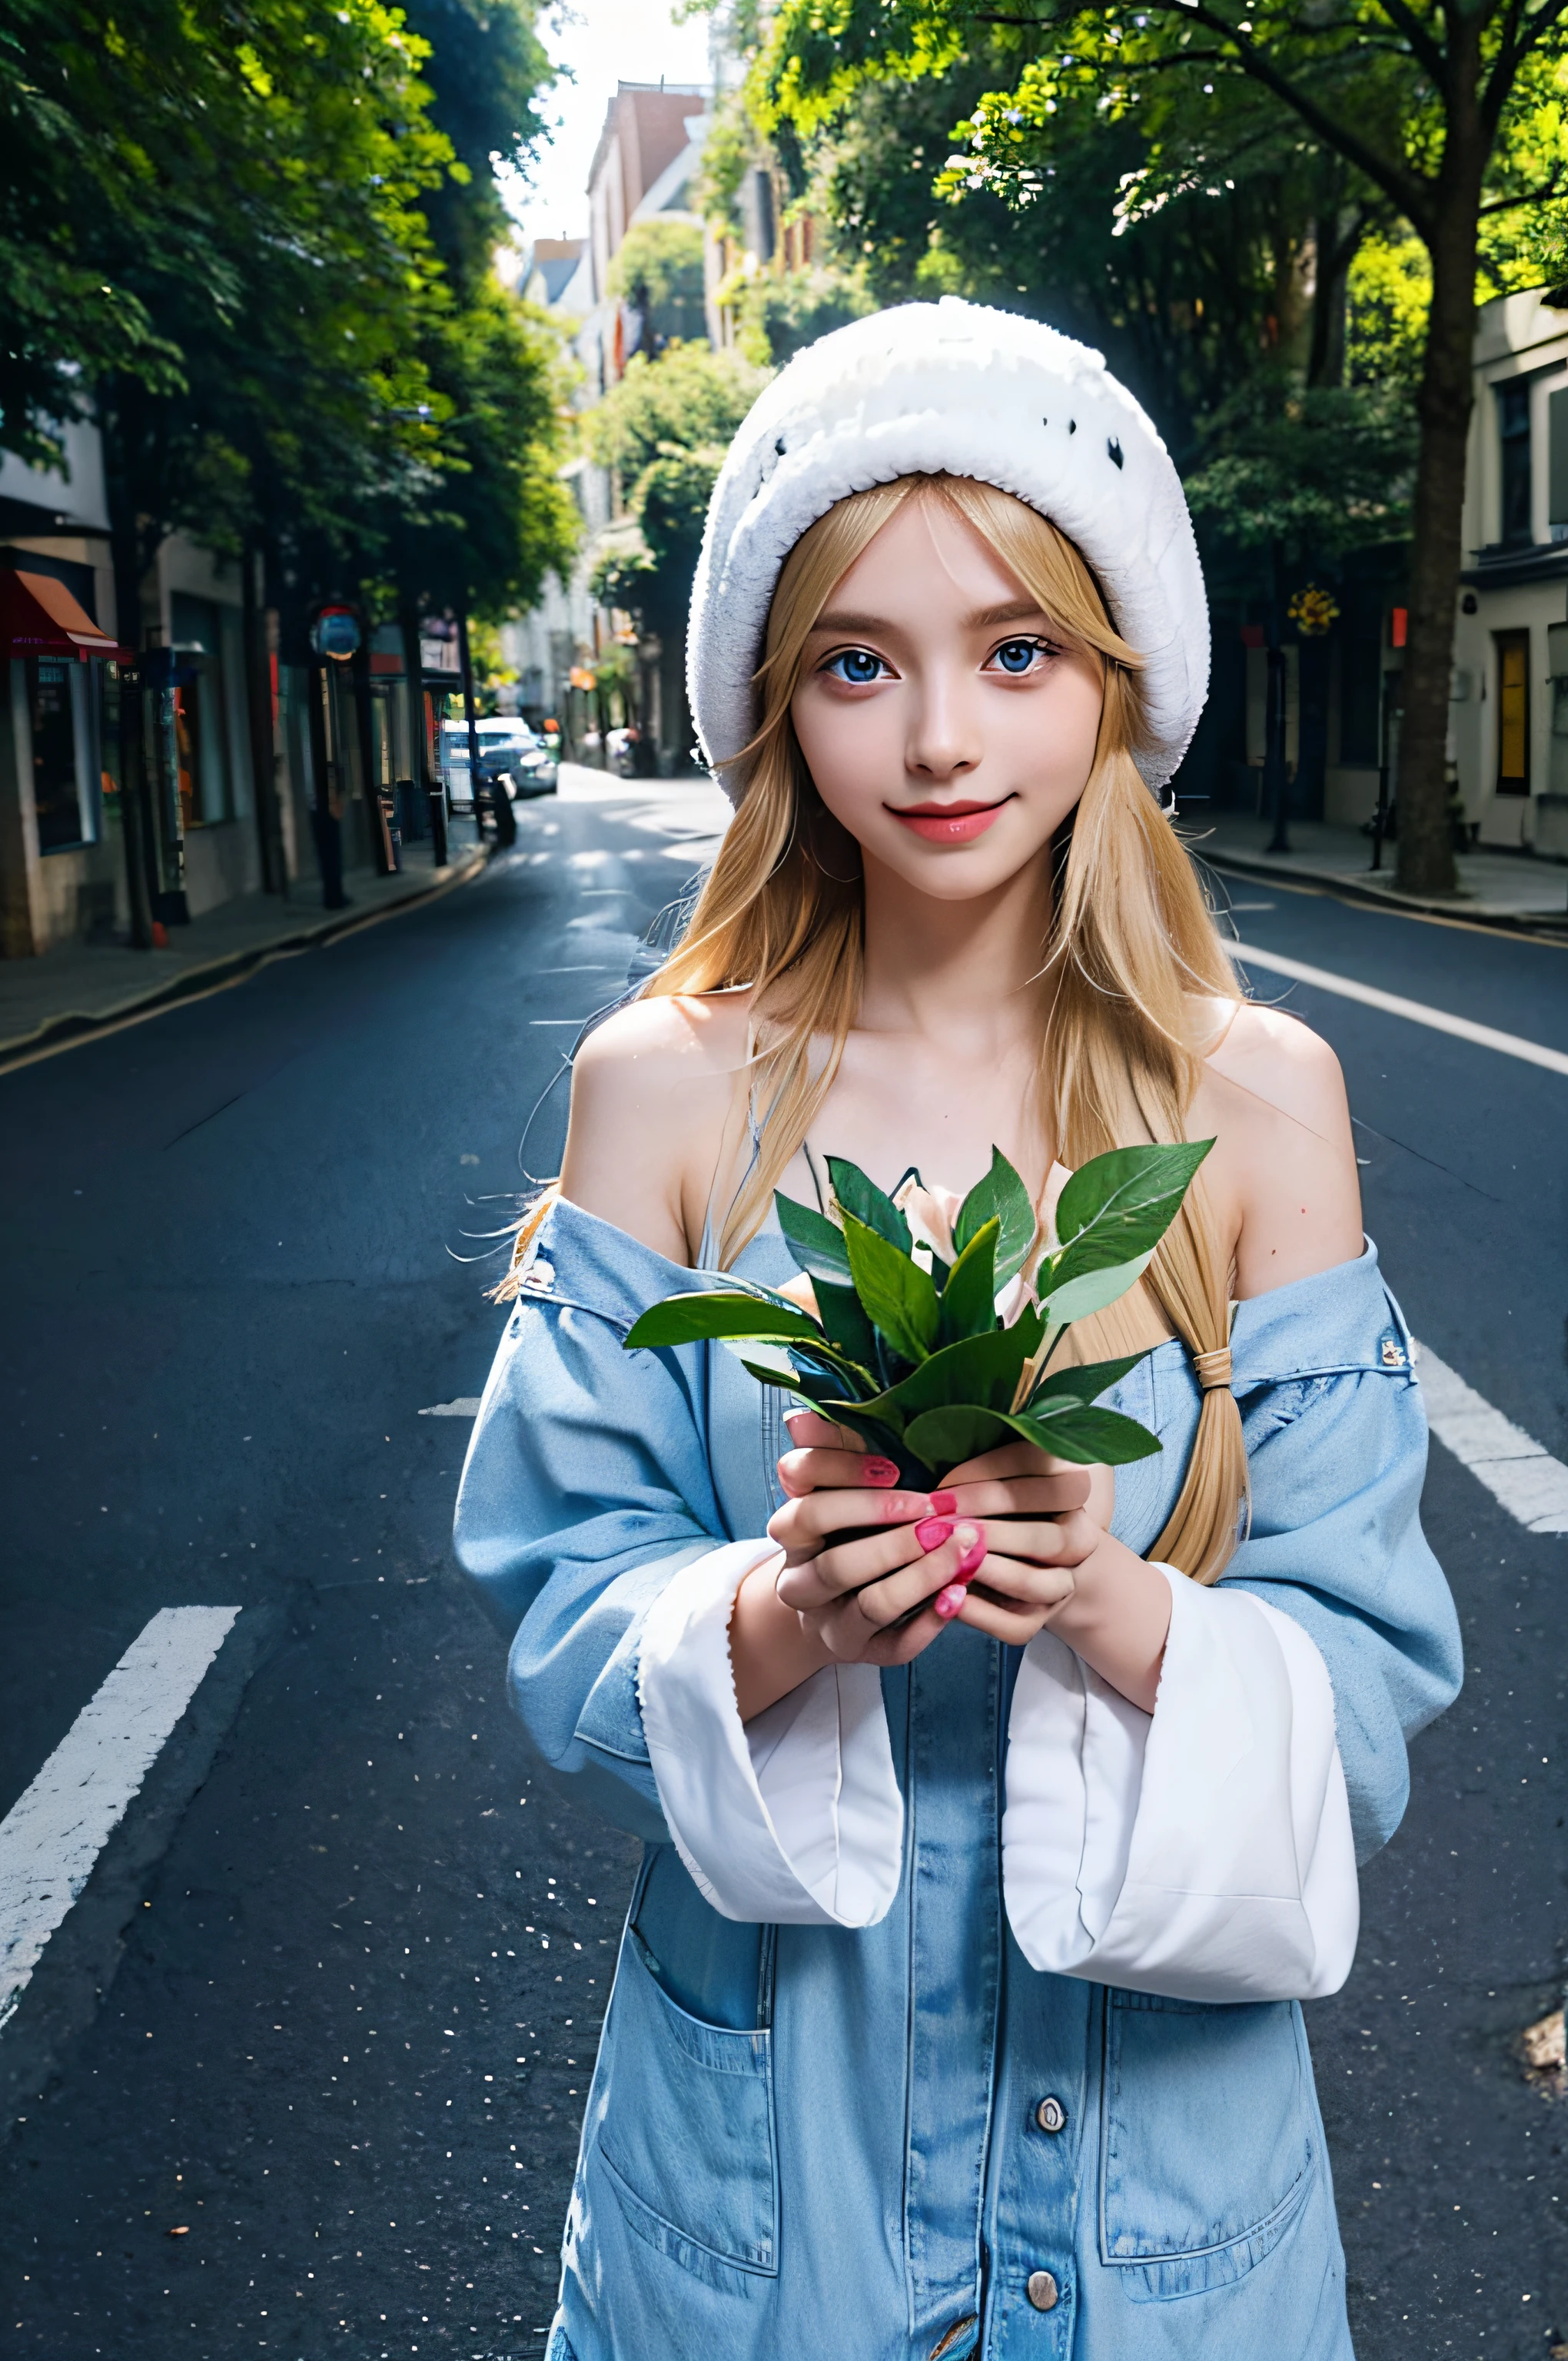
[39,617]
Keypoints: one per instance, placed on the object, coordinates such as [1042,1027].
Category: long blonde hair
[1131,945]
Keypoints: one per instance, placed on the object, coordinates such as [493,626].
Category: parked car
[509,750]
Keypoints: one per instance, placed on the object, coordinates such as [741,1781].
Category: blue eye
[1018,655]
[857,665]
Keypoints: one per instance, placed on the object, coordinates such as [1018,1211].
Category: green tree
[664,431]
[67,167]
[1186,291]
[658,270]
[1448,109]
[488,70]
[482,534]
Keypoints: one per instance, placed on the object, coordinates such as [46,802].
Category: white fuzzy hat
[957,389]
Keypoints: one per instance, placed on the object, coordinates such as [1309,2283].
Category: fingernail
[948,1602]
[973,1555]
[944,1504]
[878,1471]
[932,1531]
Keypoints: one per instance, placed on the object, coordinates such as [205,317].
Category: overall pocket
[1207,2145]
[687,2130]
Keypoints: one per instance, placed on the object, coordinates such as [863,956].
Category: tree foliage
[664,428]
[1449,118]
[297,346]
[658,268]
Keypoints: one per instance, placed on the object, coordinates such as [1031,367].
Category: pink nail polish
[878,1471]
[948,1602]
[972,1559]
[944,1504]
[932,1531]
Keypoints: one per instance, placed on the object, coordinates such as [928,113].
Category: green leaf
[816,1243]
[894,1292]
[853,1193]
[968,1299]
[839,1311]
[945,1438]
[1000,1197]
[978,1370]
[770,1363]
[1075,1298]
[691,1319]
[1085,1383]
[1127,1199]
[1088,1436]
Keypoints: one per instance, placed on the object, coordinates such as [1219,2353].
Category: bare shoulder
[652,1092]
[1281,1061]
[1284,1172]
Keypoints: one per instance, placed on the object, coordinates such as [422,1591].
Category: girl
[958,2007]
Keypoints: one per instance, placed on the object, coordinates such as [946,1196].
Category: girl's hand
[852,1596]
[1065,1572]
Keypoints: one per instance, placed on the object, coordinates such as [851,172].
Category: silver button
[1050,2114]
[1041,2290]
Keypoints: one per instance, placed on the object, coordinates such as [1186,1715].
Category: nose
[944,736]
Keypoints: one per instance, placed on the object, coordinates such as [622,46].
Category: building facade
[1510,735]
[569,648]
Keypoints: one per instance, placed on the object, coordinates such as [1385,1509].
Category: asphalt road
[205,1217]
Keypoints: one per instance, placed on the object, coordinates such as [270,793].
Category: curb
[1549,924]
[72,1026]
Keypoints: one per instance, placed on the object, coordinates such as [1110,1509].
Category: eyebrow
[840,621]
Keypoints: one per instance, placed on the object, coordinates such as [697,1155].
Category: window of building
[1513,713]
[1513,430]
[57,700]
[1557,464]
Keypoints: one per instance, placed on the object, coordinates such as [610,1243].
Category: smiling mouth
[957,823]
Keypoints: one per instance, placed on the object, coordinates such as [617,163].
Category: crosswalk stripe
[1463,1029]
[54,1831]
[1515,1469]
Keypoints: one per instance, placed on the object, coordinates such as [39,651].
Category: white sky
[603,42]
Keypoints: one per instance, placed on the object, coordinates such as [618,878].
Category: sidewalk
[1507,890]
[82,988]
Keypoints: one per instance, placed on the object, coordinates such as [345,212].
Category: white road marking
[465,1406]
[1515,1469]
[54,1832]
[1484,1036]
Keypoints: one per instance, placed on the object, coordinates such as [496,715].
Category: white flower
[1012,1299]
[930,1213]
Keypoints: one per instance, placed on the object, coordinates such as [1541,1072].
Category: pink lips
[958,823]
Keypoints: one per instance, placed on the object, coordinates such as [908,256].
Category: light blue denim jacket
[806,2139]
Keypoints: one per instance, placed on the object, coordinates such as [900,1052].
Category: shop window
[1513,430]
[1513,713]
[57,703]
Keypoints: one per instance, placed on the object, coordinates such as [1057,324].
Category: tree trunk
[1444,403]
[136,798]
[260,716]
[1337,233]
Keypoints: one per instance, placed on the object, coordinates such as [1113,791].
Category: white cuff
[794,1818]
[1204,1851]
